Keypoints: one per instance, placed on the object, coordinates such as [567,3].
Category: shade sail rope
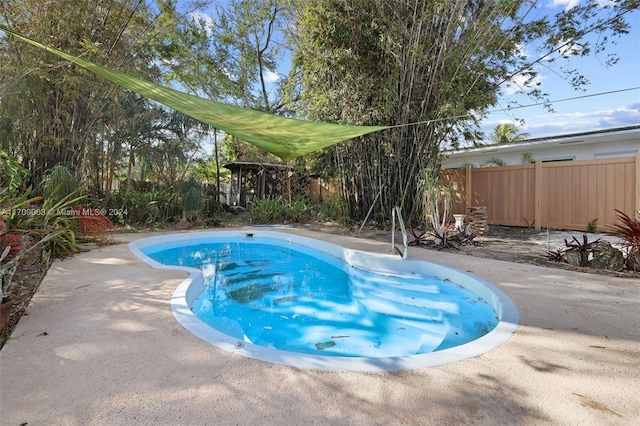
[284,137]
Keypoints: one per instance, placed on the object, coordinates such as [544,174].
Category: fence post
[468,191]
[538,195]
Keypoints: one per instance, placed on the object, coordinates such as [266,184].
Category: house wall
[580,147]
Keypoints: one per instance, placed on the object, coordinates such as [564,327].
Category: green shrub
[192,200]
[52,223]
[12,174]
[300,211]
[268,210]
[334,209]
[145,207]
[58,183]
[279,210]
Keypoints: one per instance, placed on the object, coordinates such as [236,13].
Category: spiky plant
[418,239]
[555,255]
[629,232]
[577,252]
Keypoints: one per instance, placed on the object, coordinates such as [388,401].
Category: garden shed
[255,180]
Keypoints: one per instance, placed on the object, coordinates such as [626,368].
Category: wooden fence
[563,195]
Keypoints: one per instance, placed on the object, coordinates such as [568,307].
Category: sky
[591,112]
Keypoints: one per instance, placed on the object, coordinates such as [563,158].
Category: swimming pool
[288,299]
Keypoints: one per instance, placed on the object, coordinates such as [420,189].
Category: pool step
[423,312]
[350,340]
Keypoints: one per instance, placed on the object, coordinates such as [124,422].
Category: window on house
[603,155]
[553,160]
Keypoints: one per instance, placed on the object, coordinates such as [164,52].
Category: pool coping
[192,286]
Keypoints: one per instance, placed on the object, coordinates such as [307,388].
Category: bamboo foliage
[392,62]
[50,114]
[430,68]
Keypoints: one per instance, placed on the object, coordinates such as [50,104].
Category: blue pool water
[295,298]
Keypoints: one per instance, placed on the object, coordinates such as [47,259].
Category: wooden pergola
[252,180]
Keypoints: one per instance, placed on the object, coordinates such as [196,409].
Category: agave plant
[444,240]
[466,235]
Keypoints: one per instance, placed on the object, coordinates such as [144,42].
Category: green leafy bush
[145,207]
[46,222]
[58,183]
[192,200]
[299,211]
[12,174]
[268,210]
[278,210]
[334,209]
[51,223]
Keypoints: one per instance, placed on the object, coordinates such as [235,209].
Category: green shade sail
[287,138]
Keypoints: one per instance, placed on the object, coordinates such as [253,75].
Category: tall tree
[431,67]
[227,56]
[52,113]
[56,114]
[248,30]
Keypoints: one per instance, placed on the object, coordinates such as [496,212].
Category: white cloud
[566,4]
[519,82]
[606,3]
[629,114]
[271,77]
[556,124]
[564,123]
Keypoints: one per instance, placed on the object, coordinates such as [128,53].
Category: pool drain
[238,344]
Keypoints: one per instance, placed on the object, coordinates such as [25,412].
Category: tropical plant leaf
[287,138]
[628,230]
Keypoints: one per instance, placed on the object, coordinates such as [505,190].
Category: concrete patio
[100,346]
